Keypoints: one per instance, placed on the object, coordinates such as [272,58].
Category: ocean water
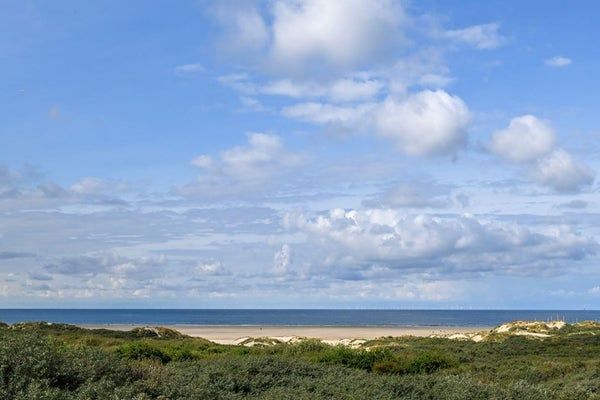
[293,317]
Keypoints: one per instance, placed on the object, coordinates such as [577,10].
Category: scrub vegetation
[56,361]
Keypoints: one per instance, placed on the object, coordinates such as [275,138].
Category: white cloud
[26,188]
[423,243]
[89,185]
[425,123]
[345,117]
[108,264]
[251,104]
[294,36]
[526,138]
[211,268]
[203,161]
[240,82]
[350,88]
[532,141]
[112,276]
[90,188]
[242,169]
[282,260]
[559,171]
[188,69]
[341,90]
[429,290]
[429,122]
[558,62]
[334,51]
[483,36]
[424,69]
[332,33]
[245,31]
[254,162]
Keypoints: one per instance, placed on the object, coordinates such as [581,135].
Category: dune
[287,334]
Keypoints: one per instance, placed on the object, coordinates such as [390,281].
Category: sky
[299,154]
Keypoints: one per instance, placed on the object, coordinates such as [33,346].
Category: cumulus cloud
[295,36]
[242,169]
[429,122]
[341,52]
[345,62]
[461,244]
[299,37]
[526,138]
[426,123]
[484,36]
[337,34]
[559,171]
[558,62]
[532,142]
[211,268]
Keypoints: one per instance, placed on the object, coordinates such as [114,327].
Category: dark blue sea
[293,317]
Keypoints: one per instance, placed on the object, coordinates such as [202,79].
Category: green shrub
[143,350]
[354,358]
[429,362]
[40,361]
[392,366]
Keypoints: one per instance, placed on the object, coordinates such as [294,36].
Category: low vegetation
[55,361]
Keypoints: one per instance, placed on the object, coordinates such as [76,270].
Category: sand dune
[329,334]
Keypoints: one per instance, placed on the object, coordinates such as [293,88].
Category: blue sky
[301,153]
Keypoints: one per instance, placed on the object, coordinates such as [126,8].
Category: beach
[235,334]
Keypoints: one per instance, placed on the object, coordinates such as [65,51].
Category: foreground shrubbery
[44,362]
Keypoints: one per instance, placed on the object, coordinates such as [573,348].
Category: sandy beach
[330,334]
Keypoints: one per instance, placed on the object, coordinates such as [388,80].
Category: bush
[395,367]
[143,350]
[62,363]
[429,362]
[34,367]
[360,359]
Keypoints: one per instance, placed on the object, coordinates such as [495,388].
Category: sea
[295,317]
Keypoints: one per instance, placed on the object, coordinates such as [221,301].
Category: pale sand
[329,334]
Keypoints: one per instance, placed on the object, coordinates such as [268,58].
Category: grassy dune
[54,361]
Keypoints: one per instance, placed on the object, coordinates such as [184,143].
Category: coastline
[234,334]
